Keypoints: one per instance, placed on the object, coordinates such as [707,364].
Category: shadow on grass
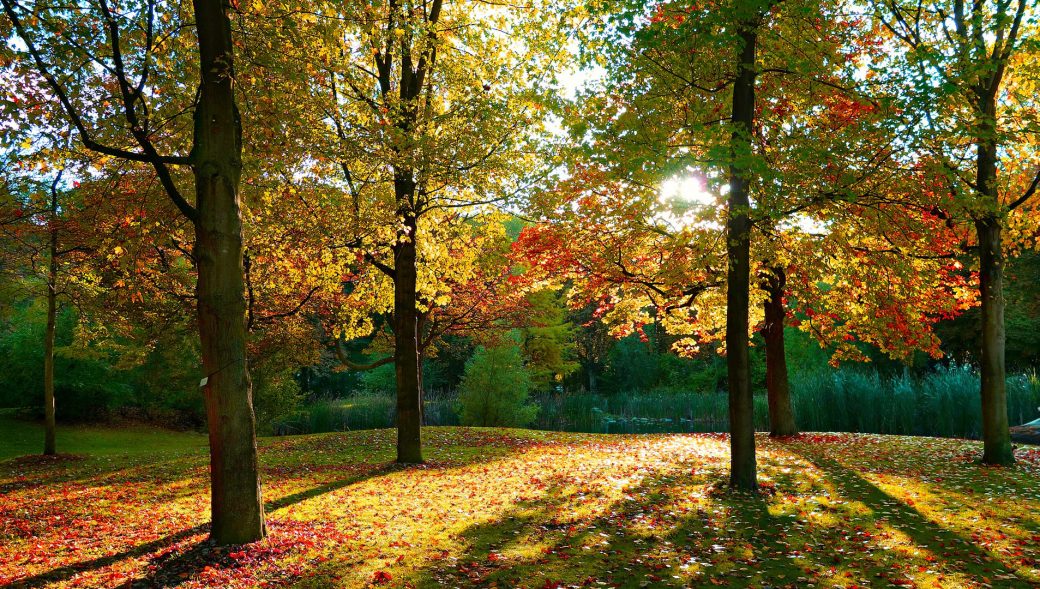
[294,498]
[175,567]
[89,470]
[924,532]
[66,572]
[541,543]
[726,539]
[666,532]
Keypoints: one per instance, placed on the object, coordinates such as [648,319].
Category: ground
[504,508]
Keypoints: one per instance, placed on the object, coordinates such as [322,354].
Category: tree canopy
[255,196]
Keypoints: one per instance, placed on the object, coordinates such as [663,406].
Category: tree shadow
[78,468]
[677,527]
[539,544]
[923,531]
[330,487]
[65,573]
[725,539]
[175,566]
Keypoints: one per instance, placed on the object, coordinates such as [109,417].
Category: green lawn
[505,508]
[19,438]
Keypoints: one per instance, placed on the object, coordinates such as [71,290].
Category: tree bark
[406,327]
[407,347]
[237,507]
[49,443]
[778,388]
[743,468]
[996,435]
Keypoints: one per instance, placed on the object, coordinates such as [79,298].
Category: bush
[166,383]
[381,380]
[87,383]
[275,395]
[495,387]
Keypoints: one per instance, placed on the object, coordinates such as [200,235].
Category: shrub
[275,395]
[381,380]
[495,387]
[87,383]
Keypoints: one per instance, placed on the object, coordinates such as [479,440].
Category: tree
[809,108]
[592,343]
[494,388]
[964,70]
[547,339]
[961,339]
[469,288]
[778,386]
[415,112]
[52,312]
[115,110]
[743,468]
[33,238]
[48,241]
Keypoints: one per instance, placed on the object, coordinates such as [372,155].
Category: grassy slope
[521,508]
[19,438]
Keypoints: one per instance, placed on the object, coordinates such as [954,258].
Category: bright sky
[688,189]
[688,203]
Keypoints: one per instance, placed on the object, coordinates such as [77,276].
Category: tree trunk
[996,435]
[778,388]
[738,250]
[406,328]
[237,508]
[49,444]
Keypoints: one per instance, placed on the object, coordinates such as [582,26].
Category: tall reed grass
[944,403]
[366,410]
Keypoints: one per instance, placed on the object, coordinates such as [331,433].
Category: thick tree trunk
[743,469]
[237,508]
[49,443]
[996,435]
[778,388]
[406,329]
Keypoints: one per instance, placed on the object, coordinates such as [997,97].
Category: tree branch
[341,355]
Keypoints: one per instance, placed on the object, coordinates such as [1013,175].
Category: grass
[20,437]
[504,508]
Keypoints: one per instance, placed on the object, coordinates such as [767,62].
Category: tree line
[300,176]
